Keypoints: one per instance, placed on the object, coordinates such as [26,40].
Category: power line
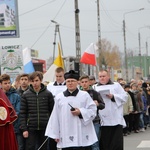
[94,31]
[73,29]
[41,35]
[48,25]
[109,16]
[36,8]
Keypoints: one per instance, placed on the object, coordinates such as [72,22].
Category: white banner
[11,60]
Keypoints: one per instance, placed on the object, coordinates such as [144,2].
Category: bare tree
[109,56]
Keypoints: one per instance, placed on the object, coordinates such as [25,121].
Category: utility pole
[146,48]
[54,43]
[147,45]
[124,35]
[77,35]
[140,55]
[99,35]
[125,50]
[55,34]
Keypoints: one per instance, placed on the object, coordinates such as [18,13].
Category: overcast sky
[35,16]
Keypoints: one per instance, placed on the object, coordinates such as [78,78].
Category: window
[2,15]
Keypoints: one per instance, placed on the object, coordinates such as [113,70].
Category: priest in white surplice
[72,128]
[112,120]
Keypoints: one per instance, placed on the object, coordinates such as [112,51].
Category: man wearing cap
[92,80]
[71,118]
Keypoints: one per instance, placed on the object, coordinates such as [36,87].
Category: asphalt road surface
[137,141]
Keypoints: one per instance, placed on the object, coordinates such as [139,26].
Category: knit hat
[144,85]
[127,86]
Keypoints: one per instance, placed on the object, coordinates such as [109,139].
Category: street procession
[74,75]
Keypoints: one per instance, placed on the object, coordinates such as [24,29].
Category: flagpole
[60,42]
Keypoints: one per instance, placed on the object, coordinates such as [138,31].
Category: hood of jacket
[11,90]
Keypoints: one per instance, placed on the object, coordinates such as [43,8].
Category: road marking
[144,144]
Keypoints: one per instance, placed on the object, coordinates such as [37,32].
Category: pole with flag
[89,56]
[58,62]
[27,61]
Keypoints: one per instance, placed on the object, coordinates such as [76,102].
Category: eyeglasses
[71,81]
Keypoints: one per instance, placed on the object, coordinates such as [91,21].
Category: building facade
[7,16]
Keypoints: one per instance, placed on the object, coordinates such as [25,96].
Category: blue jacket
[15,101]
[144,102]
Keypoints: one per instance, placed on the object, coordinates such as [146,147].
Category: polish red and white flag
[89,56]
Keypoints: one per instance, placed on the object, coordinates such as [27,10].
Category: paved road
[137,141]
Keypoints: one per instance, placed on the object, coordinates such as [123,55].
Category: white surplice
[56,89]
[71,130]
[112,114]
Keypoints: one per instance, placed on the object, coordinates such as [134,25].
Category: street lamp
[124,34]
[54,43]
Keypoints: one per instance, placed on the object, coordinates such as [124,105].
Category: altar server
[71,123]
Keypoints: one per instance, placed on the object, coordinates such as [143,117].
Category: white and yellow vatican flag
[58,62]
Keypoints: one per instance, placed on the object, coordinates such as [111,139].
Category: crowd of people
[72,113]
[137,110]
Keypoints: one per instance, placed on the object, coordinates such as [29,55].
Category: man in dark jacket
[36,106]
[131,115]
[24,85]
[85,85]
